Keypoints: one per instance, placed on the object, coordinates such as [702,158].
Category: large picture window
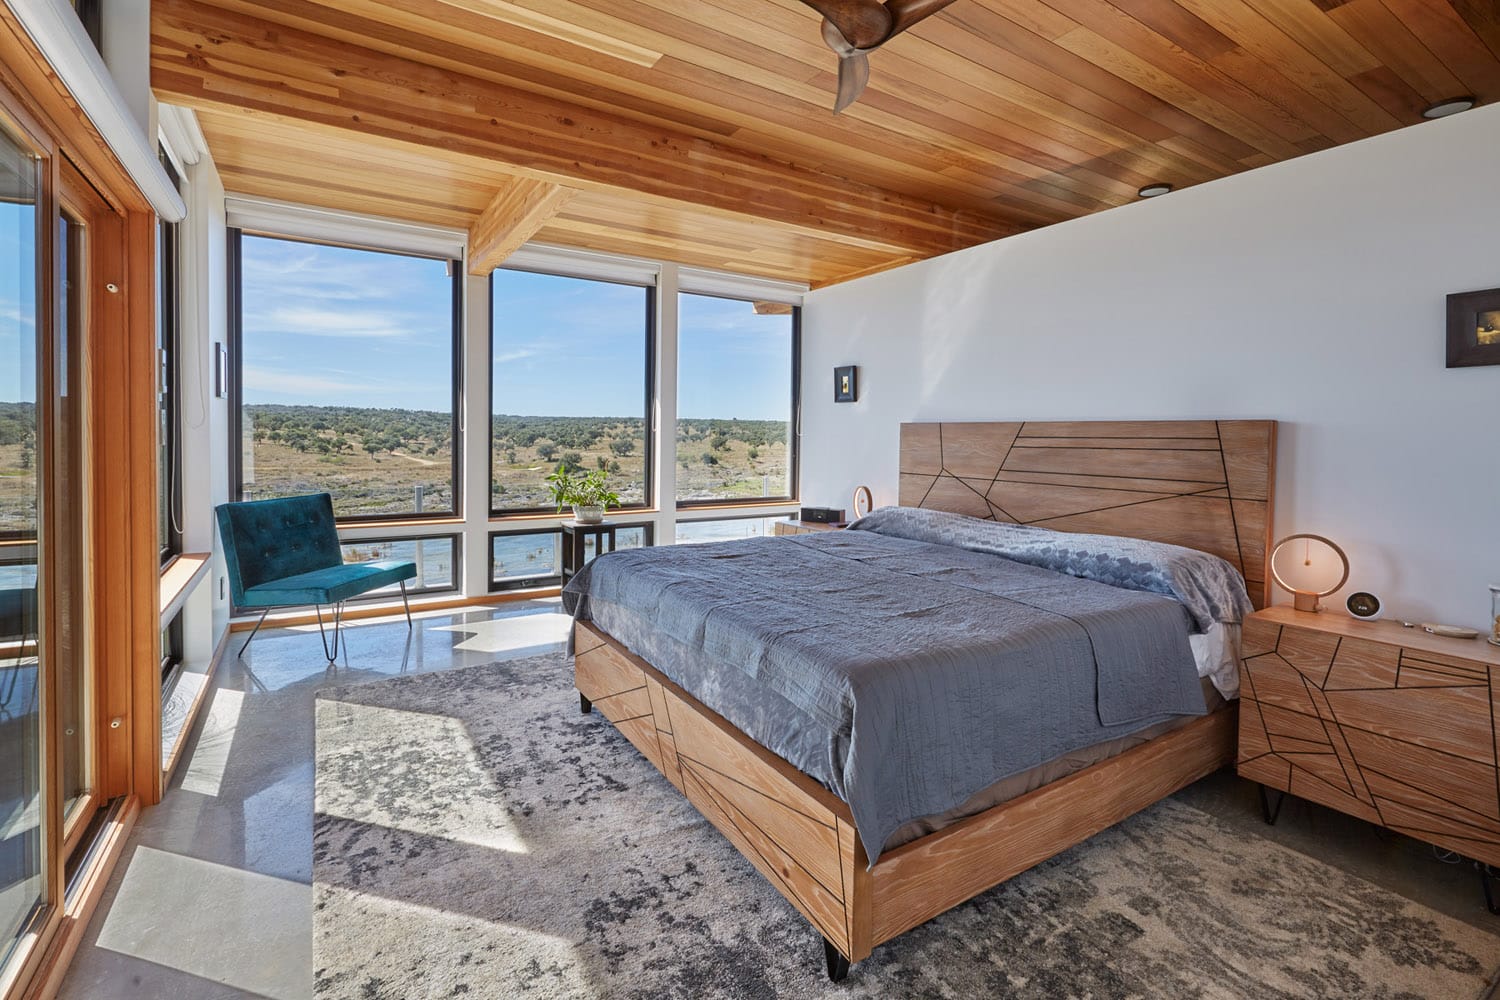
[570,385]
[347,376]
[736,401]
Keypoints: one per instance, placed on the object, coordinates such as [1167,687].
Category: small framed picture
[1474,328]
[846,384]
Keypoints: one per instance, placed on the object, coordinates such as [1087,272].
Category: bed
[1206,485]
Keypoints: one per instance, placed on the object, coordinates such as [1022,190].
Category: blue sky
[571,347]
[17,304]
[332,326]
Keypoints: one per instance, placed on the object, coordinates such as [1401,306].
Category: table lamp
[1308,567]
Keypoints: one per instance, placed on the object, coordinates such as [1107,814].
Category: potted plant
[588,493]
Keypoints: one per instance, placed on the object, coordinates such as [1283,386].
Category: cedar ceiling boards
[699,130]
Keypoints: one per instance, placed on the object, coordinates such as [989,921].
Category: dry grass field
[372,461]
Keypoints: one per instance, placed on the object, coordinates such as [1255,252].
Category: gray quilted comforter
[906,674]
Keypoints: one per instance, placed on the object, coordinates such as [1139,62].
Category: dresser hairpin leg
[584,705]
[1489,875]
[838,965]
[1267,813]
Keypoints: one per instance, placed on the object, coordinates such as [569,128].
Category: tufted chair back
[267,540]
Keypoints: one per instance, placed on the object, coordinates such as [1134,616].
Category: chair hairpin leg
[338,614]
[406,604]
[256,629]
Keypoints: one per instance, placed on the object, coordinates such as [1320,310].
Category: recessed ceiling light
[1450,106]
[1154,190]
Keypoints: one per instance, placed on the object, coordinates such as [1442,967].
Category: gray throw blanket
[906,676]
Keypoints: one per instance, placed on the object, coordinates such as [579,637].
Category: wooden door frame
[124,605]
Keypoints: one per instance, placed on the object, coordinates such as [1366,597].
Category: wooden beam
[518,210]
[204,56]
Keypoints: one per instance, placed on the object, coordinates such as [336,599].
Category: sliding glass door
[65,498]
[22,868]
[47,724]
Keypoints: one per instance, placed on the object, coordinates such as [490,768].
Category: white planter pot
[588,515]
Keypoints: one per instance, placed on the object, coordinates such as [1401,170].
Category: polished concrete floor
[213,898]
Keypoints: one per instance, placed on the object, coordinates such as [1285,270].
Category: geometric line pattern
[1204,484]
[1407,736]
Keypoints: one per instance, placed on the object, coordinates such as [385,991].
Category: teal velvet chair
[285,552]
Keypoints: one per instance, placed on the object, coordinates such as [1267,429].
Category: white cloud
[312,321]
[271,380]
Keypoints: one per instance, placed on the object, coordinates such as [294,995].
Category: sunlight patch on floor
[205,770]
[388,926]
[240,928]
[401,760]
[500,635]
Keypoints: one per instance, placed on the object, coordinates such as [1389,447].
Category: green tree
[546,451]
[622,446]
[709,458]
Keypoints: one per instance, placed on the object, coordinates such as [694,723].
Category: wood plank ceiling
[700,130]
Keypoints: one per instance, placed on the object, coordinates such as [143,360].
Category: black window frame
[653,292]
[648,539]
[236,373]
[169,343]
[755,516]
[794,435]
[456,537]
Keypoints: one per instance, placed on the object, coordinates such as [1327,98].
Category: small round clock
[1364,605]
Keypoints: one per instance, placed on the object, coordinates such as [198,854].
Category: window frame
[653,292]
[794,436]
[456,537]
[754,516]
[553,580]
[169,343]
[235,258]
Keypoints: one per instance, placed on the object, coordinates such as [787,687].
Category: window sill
[178,578]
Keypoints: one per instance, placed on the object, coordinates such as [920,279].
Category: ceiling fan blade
[854,73]
[905,13]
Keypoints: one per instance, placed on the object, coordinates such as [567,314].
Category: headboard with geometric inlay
[1206,484]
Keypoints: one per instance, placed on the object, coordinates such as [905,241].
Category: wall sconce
[846,384]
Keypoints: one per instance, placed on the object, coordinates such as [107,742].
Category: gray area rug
[477,837]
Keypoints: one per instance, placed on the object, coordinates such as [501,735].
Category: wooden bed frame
[1205,484]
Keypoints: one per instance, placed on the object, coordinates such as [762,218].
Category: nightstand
[1390,724]
[575,536]
[791,526]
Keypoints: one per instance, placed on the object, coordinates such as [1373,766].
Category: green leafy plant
[581,489]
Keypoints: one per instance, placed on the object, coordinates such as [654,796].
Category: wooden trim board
[800,836]
[1205,484]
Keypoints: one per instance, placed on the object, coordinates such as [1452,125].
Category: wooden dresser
[790,526]
[1390,724]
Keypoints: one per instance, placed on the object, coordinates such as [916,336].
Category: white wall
[1310,291]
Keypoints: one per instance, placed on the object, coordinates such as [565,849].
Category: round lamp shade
[1308,567]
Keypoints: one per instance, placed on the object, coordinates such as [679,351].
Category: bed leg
[1489,876]
[838,965]
[1267,813]
[584,705]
